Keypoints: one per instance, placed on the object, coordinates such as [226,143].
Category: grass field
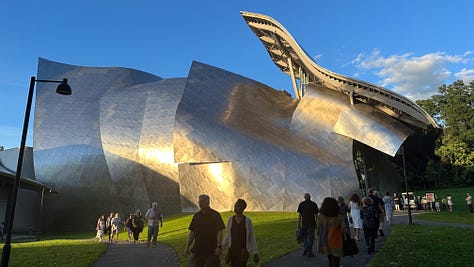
[421,245]
[458,196]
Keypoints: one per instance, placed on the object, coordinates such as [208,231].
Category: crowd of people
[110,226]
[332,223]
[133,225]
[430,201]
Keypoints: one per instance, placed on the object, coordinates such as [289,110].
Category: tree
[453,109]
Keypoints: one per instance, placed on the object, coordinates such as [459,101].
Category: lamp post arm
[48,81]
[16,185]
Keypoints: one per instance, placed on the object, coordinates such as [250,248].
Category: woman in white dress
[356,222]
[450,202]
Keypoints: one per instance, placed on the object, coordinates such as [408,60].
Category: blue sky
[411,47]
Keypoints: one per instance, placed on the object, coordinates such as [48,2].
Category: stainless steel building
[126,138]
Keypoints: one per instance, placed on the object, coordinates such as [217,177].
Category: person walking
[153,215]
[115,226]
[344,210]
[129,227]
[307,212]
[469,202]
[437,207]
[100,227]
[354,210]
[396,202]
[137,226]
[379,207]
[205,231]
[108,225]
[240,238]
[329,231]
[388,202]
[449,198]
[370,223]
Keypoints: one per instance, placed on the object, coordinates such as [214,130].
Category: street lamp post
[406,185]
[63,89]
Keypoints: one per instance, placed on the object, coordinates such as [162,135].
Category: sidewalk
[125,254]
[296,258]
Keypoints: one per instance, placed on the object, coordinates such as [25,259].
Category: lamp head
[64,88]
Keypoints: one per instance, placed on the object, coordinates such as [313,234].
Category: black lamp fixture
[63,89]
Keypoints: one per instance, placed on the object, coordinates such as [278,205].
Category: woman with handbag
[240,238]
[329,231]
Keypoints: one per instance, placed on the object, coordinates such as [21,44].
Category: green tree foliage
[453,108]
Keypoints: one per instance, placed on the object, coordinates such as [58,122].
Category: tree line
[453,162]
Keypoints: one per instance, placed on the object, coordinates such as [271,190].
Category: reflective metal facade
[126,138]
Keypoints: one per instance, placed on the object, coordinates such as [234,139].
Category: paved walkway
[123,254]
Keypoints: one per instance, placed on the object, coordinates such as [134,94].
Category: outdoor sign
[430,197]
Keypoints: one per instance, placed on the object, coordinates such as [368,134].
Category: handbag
[349,245]
[299,234]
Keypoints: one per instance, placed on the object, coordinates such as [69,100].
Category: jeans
[308,240]
[153,231]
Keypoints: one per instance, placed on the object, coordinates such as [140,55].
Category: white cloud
[467,75]
[412,76]
[316,57]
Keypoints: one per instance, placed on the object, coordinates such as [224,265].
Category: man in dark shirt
[206,231]
[307,210]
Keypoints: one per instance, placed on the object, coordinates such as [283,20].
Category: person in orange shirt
[330,226]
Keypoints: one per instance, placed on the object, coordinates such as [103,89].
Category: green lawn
[458,196]
[420,245]
[57,252]
[456,216]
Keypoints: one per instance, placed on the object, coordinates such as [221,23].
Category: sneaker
[304,253]
[154,245]
[147,244]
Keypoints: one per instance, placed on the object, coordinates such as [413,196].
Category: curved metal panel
[375,129]
[67,141]
[323,164]
[283,151]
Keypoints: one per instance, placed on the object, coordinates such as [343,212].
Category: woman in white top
[356,222]
[450,202]
[240,237]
